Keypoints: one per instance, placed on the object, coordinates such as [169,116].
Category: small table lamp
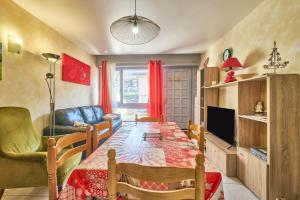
[230,65]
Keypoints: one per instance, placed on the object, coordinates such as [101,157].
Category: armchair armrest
[29,156]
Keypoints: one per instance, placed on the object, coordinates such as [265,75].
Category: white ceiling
[187,26]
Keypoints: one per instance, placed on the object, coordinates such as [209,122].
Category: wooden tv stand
[219,153]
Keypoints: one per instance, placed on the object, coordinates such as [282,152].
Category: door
[243,166]
[178,88]
[258,176]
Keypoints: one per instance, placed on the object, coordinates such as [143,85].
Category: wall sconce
[0,61]
[14,44]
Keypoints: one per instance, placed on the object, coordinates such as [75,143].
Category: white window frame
[121,104]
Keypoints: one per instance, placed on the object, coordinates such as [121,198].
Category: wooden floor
[233,190]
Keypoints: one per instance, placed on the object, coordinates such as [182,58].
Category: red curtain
[156,106]
[104,97]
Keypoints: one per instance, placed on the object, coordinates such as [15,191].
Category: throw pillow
[80,124]
[110,116]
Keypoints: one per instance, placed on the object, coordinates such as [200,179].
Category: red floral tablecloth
[89,179]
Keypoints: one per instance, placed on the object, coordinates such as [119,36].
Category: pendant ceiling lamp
[134,29]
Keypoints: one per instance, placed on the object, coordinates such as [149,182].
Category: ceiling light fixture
[134,29]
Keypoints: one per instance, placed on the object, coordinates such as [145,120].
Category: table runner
[89,179]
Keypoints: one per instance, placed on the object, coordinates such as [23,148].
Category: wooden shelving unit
[207,76]
[278,133]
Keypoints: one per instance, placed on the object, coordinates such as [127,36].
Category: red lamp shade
[231,64]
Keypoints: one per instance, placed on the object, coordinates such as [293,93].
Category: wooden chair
[196,131]
[155,174]
[105,130]
[147,119]
[63,148]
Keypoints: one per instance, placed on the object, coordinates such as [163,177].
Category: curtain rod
[146,64]
[163,64]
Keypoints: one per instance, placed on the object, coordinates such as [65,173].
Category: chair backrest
[196,131]
[105,130]
[54,148]
[156,174]
[147,119]
[17,134]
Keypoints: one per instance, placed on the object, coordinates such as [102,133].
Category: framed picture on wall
[75,71]
[0,61]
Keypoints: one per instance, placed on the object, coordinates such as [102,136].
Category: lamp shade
[232,64]
[134,30]
[51,57]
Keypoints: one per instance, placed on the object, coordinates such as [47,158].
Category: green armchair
[23,152]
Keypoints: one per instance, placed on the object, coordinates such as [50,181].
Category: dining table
[144,143]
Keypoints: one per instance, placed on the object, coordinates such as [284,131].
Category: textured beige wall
[23,81]
[252,41]
[197,100]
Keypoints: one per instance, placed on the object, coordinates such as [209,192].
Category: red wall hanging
[75,71]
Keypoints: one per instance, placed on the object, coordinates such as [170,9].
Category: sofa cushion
[68,116]
[88,114]
[98,113]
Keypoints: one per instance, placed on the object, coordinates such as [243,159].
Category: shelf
[262,119]
[201,107]
[221,85]
[248,151]
[257,78]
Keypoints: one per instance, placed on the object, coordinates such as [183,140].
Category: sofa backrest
[88,114]
[17,134]
[68,116]
[99,113]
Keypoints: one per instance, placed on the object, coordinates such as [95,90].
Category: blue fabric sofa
[65,118]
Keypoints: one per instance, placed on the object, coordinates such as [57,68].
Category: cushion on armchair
[17,134]
[69,164]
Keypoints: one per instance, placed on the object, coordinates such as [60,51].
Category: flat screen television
[221,122]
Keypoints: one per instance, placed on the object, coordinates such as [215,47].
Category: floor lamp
[50,80]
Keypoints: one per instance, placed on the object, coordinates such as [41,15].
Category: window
[135,87]
[132,98]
